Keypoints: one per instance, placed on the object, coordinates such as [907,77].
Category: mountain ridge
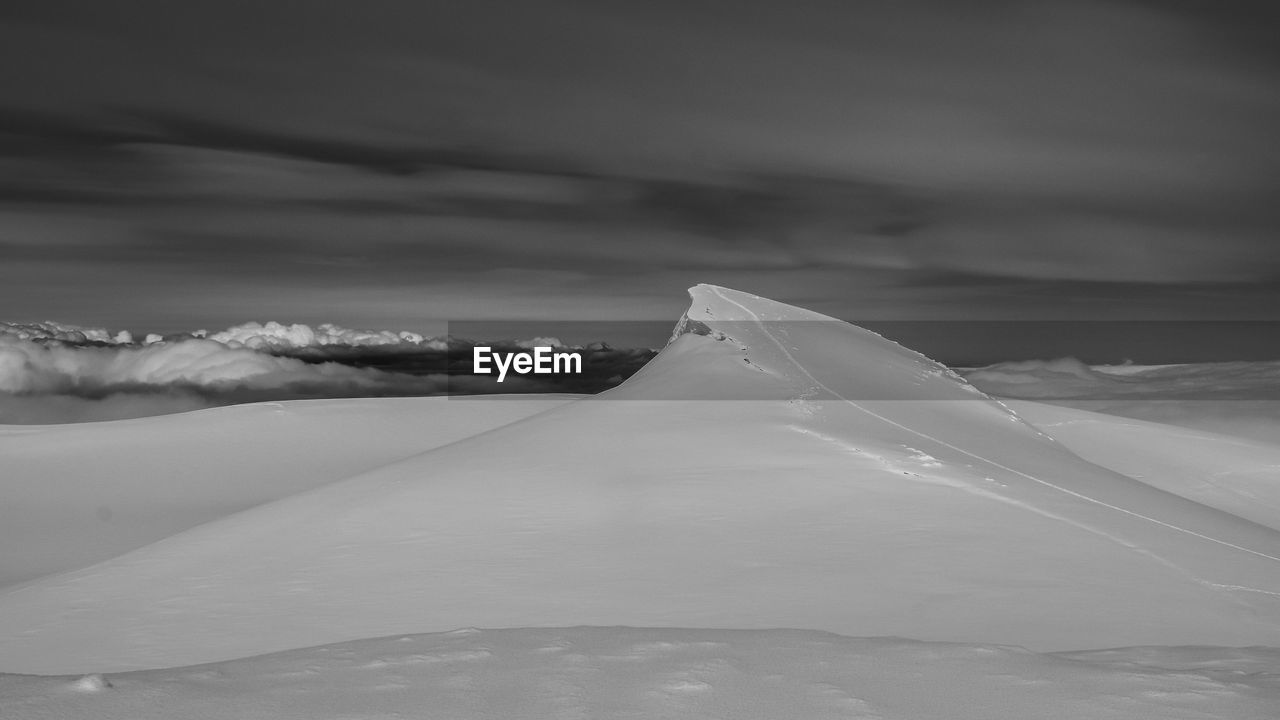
[706,491]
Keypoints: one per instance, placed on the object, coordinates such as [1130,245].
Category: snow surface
[77,494]
[1237,475]
[661,673]
[738,481]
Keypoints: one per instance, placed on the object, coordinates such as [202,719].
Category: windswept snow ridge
[772,467]
[800,368]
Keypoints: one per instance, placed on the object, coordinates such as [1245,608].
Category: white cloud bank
[54,373]
[276,336]
[63,333]
[255,335]
[50,372]
[270,336]
[31,367]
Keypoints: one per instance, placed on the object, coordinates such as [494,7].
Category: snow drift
[771,468]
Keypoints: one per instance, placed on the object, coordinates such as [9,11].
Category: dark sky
[172,165]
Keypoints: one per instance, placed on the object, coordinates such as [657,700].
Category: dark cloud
[402,163]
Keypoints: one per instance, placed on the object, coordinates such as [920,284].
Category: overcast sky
[172,165]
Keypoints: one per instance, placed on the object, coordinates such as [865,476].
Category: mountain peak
[816,355]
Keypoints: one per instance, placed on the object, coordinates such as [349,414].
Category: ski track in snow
[886,464]
[781,347]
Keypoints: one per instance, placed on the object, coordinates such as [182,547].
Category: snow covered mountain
[771,468]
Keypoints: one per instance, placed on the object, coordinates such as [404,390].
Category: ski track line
[997,497]
[756,318]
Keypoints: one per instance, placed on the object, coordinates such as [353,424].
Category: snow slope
[77,494]
[1234,474]
[741,480]
[655,673]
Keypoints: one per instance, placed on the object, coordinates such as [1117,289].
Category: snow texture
[605,673]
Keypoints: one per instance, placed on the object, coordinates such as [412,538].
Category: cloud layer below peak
[51,372]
